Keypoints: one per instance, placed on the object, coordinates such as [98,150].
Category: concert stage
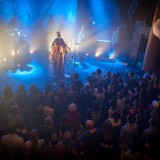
[41,72]
[99,30]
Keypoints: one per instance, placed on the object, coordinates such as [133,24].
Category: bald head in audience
[72,107]
[89,124]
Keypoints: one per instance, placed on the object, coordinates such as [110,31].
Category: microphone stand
[74,60]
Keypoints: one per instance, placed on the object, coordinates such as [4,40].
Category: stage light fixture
[97,54]
[13,53]
[112,56]
[4,59]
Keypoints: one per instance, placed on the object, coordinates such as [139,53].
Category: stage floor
[42,71]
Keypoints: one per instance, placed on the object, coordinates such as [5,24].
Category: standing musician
[83,34]
[116,40]
[58,50]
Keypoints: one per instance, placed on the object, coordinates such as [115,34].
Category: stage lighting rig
[112,56]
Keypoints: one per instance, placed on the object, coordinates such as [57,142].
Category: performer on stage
[115,41]
[83,42]
[83,34]
[58,50]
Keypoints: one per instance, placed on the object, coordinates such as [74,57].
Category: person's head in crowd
[14,109]
[10,103]
[118,74]
[110,112]
[22,87]
[120,82]
[147,74]
[113,103]
[135,103]
[89,79]
[64,126]
[32,88]
[99,71]
[7,92]
[129,108]
[111,88]
[114,76]
[48,89]
[150,85]
[73,87]
[131,118]
[39,109]
[142,104]
[48,121]
[153,122]
[62,83]
[116,115]
[48,102]
[131,74]
[108,141]
[49,93]
[34,135]
[89,124]
[143,95]
[100,93]
[23,125]
[137,90]
[48,110]
[108,74]
[54,139]
[99,84]
[93,74]
[72,107]
[107,127]
[76,76]
[120,95]
[143,84]
[61,95]
[36,92]
[158,96]
[96,106]
[27,148]
[12,127]
[67,137]
[155,105]
[100,90]
[137,106]
[155,116]
[125,91]
[86,88]
[156,82]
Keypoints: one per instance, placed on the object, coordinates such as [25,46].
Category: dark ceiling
[144,10]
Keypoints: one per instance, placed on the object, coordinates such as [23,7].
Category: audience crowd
[111,116]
